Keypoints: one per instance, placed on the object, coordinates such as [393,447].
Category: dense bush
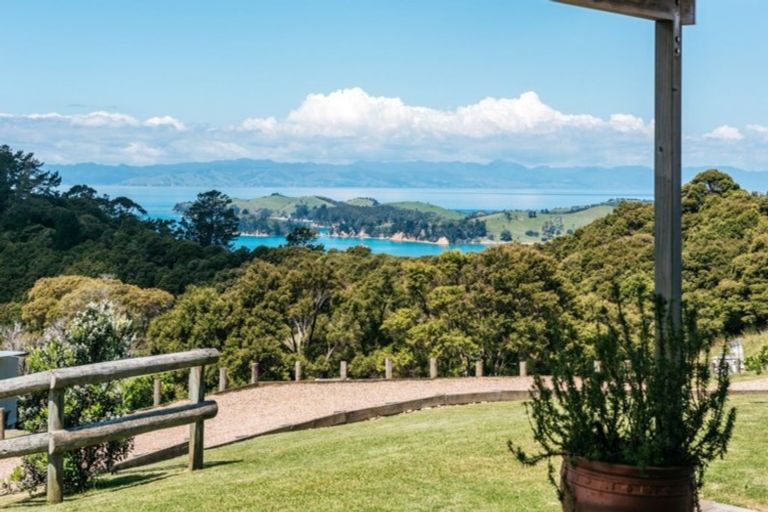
[98,333]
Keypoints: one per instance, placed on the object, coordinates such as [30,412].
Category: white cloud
[759,130]
[165,121]
[350,124]
[724,133]
[354,113]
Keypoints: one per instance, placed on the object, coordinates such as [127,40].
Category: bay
[159,203]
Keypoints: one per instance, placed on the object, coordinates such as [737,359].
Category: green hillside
[362,201]
[526,228]
[280,205]
[452,458]
[428,208]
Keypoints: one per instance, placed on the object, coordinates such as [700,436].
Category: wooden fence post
[478,368]
[343,370]
[387,368]
[196,395]
[156,392]
[2,423]
[55,481]
[523,369]
[222,379]
[432,367]
[255,373]
[297,371]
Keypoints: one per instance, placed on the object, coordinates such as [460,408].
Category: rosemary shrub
[648,403]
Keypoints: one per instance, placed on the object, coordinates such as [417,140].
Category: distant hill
[266,173]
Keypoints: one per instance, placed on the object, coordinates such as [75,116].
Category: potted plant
[630,411]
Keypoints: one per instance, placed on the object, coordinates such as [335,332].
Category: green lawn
[451,459]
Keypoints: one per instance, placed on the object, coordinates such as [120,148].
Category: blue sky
[524,80]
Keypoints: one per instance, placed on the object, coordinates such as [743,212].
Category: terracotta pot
[590,486]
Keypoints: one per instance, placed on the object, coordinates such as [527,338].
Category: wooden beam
[31,383]
[657,10]
[667,164]
[115,370]
[24,445]
[128,426]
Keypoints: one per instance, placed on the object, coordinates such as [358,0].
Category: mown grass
[450,459]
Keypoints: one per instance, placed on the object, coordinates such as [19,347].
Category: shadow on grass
[120,482]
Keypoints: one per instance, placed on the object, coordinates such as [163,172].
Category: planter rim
[627,469]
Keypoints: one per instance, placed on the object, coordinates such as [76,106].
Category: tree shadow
[123,480]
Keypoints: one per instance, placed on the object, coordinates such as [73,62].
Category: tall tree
[210,220]
[21,174]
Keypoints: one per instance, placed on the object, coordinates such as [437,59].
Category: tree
[303,237]
[210,220]
[21,175]
[98,333]
[505,236]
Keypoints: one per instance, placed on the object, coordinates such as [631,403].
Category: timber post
[55,480]
[157,392]
[222,379]
[432,367]
[196,429]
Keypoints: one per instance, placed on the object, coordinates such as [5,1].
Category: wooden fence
[60,439]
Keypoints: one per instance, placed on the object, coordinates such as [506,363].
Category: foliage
[98,333]
[303,237]
[758,362]
[210,220]
[45,232]
[54,299]
[647,404]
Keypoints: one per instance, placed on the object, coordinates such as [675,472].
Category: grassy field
[518,223]
[451,459]
[428,208]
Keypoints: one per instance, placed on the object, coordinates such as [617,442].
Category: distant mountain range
[266,173]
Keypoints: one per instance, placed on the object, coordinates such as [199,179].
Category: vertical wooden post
[667,163]
[2,423]
[55,481]
[523,369]
[222,379]
[255,373]
[196,395]
[387,368]
[297,371]
[156,392]
[343,370]
[432,367]
[478,368]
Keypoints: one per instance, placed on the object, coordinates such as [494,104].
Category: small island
[413,221]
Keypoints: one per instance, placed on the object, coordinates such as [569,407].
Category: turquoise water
[159,202]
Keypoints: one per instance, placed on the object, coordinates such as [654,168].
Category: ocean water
[159,202]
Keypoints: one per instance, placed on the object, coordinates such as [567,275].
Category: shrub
[636,408]
[94,335]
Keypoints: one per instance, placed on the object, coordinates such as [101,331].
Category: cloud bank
[350,125]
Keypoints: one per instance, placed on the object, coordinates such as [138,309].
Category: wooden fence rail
[60,439]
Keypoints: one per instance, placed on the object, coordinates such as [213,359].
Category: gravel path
[252,410]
